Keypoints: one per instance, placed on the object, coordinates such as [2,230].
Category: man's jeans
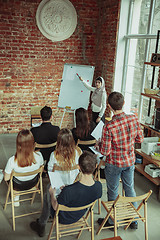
[113,175]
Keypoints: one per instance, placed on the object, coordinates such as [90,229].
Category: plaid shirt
[118,138]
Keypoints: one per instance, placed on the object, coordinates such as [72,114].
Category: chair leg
[57,229]
[33,197]
[145,223]
[51,230]
[7,196]
[92,226]
[41,188]
[13,215]
[99,206]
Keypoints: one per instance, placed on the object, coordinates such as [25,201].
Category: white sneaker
[16,201]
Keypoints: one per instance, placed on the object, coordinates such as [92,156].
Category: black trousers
[95,116]
[24,185]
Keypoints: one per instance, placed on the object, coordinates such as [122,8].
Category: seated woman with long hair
[65,156]
[25,160]
[83,128]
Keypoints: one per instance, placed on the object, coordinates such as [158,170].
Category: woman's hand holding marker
[79,77]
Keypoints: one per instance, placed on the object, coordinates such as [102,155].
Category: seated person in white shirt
[25,160]
[66,156]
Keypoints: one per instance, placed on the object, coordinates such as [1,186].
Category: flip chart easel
[73,94]
[64,111]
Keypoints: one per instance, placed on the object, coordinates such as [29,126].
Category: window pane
[152,48]
[145,108]
[140,16]
[134,74]
[156,18]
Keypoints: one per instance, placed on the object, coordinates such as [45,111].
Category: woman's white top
[12,165]
[68,177]
[94,107]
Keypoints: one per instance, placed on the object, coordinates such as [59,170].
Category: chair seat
[73,228]
[123,211]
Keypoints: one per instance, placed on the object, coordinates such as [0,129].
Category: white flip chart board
[73,94]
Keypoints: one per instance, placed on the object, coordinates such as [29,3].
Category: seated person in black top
[83,128]
[46,133]
[77,194]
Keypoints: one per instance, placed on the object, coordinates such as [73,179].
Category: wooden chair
[43,146]
[62,230]
[35,113]
[122,212]
[39,146]
[87,142]
[76,166]
[38,188]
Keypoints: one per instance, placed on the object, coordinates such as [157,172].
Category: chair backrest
[97,171]
[87,142]
[71,209]
[58,168]
[37,145]
[143,198]
[17,174]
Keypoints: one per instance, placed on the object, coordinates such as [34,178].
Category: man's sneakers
[37,227]
[133,225]
[107,224]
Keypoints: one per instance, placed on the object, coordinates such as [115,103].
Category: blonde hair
[25,148]
[65,149]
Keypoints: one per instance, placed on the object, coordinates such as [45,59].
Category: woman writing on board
[98,98]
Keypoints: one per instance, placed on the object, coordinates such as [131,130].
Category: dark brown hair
[82,123]
[87,162]
[116,100]
[46,113]
[25,148]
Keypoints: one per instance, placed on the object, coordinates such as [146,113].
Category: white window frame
[124,37]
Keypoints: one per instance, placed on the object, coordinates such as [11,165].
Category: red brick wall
[31,65]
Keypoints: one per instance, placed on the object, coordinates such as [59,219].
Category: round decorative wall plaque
[56,19]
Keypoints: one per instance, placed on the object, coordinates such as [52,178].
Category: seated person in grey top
[46,133]
[77,194]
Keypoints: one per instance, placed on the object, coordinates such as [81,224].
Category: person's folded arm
[6,176]
[54,202]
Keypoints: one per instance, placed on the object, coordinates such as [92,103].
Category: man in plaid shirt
[117,144]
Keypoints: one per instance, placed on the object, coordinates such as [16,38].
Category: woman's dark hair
[82,123]
[87,162]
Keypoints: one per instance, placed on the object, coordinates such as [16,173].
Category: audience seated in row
[46,133]
[25,160]
[77,194]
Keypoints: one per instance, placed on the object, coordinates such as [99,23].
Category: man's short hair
[116,100]
[87,162]
[46,113]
